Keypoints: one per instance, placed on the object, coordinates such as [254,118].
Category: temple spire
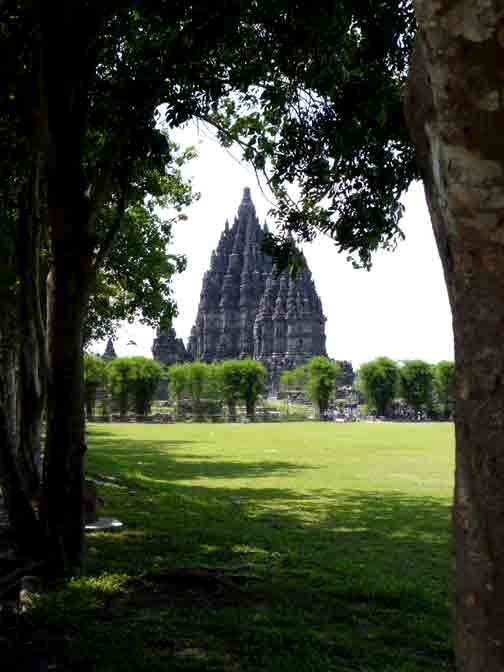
[247,213]
[246,198]
[109,352]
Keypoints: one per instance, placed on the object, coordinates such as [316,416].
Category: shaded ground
[302,558]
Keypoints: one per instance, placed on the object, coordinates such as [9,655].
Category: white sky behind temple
[399,308]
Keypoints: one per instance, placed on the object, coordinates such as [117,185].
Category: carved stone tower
[247,309]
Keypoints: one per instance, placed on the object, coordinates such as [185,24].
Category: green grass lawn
[310,546]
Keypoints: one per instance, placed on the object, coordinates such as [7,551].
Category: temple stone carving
[248,309]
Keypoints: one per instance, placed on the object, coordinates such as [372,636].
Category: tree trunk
[198,409]
[32,365]
[105,407]
[454,112]
[65,445]
[142,403]
[123,403]
[9,395]
[231,411]
[250,408]
[63,68]
[178,408]
[323,405]
[31,402]
[26,528]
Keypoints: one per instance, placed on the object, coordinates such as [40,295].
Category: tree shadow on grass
[353,580]
[349,580]
[396,543]
[154,461]
[395,526]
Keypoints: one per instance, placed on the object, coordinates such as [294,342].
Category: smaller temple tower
[168,349]
[109,352]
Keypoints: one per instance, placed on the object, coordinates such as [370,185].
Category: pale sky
[399,308]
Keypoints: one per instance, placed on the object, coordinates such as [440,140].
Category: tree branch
[99,190]
[112,233]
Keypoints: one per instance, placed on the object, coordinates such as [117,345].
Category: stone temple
[248,309]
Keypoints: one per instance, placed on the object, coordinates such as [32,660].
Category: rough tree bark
[21,514]
[65,446]
[455,113]
[32,364]
[9,392]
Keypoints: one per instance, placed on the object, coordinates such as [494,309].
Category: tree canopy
[178,375]
[295,380]
[120,378]
[197,374]
[95,375]
[253,377]
[416,383]
[316,378]
[230,376]
[378,381]
[322,377]
[135,279]
[444,386]
[145,375]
